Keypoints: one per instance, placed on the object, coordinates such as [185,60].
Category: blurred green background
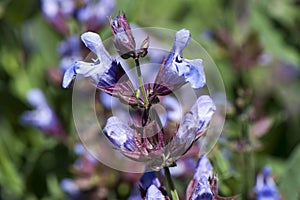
[256,46]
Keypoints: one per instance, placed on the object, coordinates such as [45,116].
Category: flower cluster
[203,186]
[92,14]
[146,140]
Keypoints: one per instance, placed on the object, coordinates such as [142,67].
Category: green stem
[141,82]
[172,189]
[248,160]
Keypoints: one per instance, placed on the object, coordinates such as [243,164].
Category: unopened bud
[123,40]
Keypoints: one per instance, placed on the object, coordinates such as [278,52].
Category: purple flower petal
[181,40]
[104,72]
[119,134]
[153,193]
[203,190]
[178,70]
[148,179]
[193,72]
[94,43]
[68,76]
[203,168]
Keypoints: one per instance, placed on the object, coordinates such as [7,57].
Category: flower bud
[123,40]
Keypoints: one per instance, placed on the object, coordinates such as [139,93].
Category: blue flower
[195,122]
[203,168]
[105,72]
[200,188]
[100,70]
[43,117]
[157,152]
[265,187]
[178,70]
[203,190]
[153,193]
[119,134]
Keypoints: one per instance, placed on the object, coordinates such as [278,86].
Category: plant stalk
[171,185]
[141,82]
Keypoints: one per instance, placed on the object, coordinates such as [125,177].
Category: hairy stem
[171,186]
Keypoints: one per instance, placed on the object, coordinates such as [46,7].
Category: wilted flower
[123,38]
[149,144]
[265,187]
[43,117]
[176,70]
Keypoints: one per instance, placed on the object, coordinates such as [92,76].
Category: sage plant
[147,140]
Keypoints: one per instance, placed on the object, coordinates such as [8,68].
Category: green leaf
[271,39]
[10,179]
[54,188]
[290,180]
